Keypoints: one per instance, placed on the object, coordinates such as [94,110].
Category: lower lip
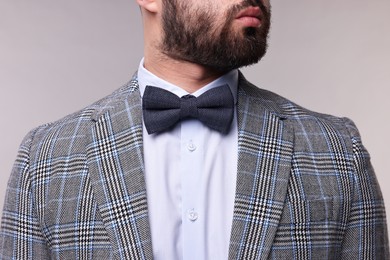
[249,21]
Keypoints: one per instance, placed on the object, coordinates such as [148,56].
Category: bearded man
[191,161]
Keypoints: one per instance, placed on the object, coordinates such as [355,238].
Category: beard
[194,36]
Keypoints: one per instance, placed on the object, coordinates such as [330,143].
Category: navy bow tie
[163,109]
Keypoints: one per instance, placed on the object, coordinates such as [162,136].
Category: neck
[186,75]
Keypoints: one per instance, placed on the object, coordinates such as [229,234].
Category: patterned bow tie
[163,109]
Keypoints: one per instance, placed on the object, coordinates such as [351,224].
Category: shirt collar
[146,78]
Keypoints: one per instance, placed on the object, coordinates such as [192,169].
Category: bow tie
[163,109]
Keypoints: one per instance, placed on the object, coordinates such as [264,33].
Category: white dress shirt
[190,176]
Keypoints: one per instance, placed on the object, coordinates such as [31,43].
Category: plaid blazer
[305,186]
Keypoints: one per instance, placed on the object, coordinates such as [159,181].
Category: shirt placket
[191,170]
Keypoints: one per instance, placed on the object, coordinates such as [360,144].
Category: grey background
[59,56]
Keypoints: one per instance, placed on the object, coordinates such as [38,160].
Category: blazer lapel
[265,146]
[116,169]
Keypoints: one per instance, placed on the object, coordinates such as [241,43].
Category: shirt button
[192,215]
[191,146]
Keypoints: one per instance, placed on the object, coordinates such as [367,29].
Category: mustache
[247,3]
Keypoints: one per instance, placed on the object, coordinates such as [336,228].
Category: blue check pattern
[305,186]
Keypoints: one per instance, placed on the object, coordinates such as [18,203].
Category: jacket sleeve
[21,236]
[366,235]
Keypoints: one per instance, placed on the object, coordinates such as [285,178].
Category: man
[191,161]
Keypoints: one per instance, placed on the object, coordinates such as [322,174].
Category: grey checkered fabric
[305,186]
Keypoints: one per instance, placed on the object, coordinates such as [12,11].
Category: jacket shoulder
[70,132]
[313,131]
[290,110]
[89,113]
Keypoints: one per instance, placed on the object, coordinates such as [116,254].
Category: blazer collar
[116,168]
